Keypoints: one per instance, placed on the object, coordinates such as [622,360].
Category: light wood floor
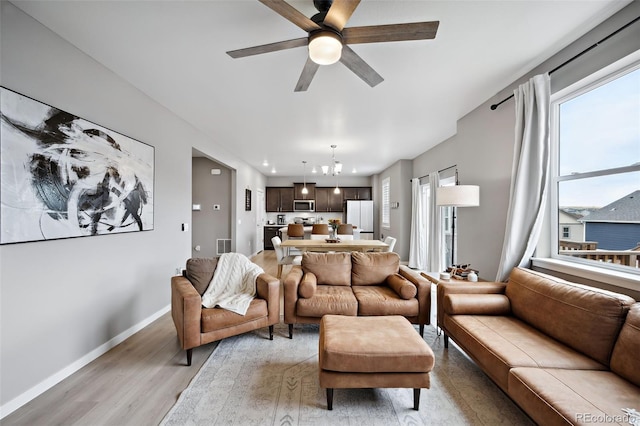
[135,383]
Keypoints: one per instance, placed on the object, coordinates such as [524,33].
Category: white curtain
[529,174]
[435,228]
[418,240]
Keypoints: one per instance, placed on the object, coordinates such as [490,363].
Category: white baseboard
[56,378]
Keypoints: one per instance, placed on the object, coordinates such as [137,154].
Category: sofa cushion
[200,271]
[402,286]
[329,268]
[382,300]
[558,396]
[373,268]
[308,285]
[499,343]
[584,318]
[328,299]
[625,359]
[217,318]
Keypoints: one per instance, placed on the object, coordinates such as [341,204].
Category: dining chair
[320,229]
[345,231]
[391,242]
[295,230]
[284,260]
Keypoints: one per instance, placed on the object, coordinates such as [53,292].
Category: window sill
[615,278]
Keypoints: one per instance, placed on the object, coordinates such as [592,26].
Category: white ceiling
[174,51]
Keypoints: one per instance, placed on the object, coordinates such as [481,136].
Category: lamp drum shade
[458,196]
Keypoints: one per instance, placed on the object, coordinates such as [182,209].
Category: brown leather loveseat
[565,353]
[364,284]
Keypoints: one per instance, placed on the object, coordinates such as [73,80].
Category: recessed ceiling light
[273,170]
[265,163]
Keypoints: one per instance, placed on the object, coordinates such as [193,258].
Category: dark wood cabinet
[269,233]
[279,199]
[327,201]
[357,193]
[297,191]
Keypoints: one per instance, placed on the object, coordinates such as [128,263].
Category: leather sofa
[363,284]
[196,325]
[565,353]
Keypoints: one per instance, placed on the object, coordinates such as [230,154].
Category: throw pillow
[329,268]
[402,286]
[373,268]
[308,285]
[200,272]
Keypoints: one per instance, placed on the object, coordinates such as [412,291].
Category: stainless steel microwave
[304,205]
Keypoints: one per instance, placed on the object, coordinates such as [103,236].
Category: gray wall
[399,174]
[207,190]
[65,302]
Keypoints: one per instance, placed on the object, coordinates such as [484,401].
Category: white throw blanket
[233,285]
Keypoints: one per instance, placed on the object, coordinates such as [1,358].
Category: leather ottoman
[372,352]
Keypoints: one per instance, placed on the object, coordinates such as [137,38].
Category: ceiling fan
[328,38]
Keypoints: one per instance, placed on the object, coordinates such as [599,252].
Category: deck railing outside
[589,250]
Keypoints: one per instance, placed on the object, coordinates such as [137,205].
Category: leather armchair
[198,326]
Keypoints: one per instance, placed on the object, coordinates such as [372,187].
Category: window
[386,188]
[595,190]
[447,178]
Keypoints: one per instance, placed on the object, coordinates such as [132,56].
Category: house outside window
[385,213]
[595,186]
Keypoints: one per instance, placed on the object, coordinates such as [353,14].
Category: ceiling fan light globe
[325,48]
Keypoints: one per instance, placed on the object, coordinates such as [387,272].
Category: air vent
[224,246]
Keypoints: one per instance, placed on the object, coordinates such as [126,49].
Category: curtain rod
[568,61]
[441,170]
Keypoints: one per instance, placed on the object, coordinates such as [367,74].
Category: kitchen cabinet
[357,193]
[279,199]
[327,201]
[269,233]
[297,191]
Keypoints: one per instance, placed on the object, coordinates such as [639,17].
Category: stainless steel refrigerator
[360,214]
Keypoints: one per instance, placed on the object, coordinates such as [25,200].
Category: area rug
[250,380]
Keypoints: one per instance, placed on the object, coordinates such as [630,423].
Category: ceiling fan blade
[340,12]
[266,48]
[290,13]
[356,64]
[393,32]
[308,72]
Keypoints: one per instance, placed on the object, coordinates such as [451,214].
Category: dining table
[342,245]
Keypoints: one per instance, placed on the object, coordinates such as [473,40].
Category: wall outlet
[179,270]
[216,206]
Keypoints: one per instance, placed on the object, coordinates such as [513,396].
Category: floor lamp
[457,196]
